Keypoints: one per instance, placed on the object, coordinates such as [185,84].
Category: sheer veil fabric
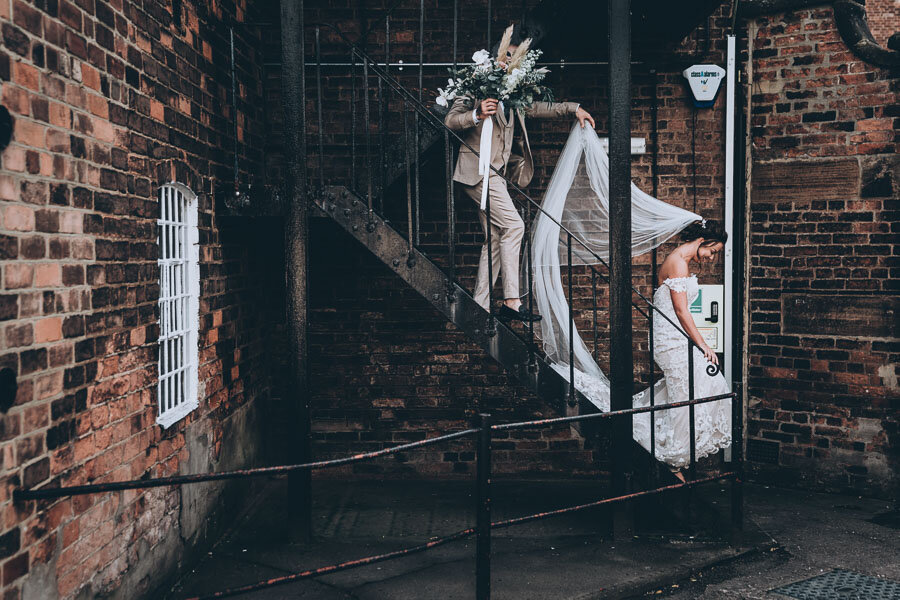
[578,199]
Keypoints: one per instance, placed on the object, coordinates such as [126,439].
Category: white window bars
[179,303]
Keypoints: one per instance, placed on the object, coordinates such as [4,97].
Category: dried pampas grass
[504,44]
[518,55]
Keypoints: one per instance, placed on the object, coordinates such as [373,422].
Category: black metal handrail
[20,495]
[484,524]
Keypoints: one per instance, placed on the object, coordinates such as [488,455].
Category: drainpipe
[296,231]
[727,299]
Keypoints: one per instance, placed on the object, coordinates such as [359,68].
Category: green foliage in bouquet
[517,82]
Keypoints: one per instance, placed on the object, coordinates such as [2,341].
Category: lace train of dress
[712,420]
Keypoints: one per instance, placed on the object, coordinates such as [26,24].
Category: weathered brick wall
[884,19]
[110,100]
[823,279]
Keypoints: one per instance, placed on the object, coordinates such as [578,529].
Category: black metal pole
[594,305]
[529,272]
[234,110]
[367,122]
[621,358]
[455,32]
[353,119]
[490,11]
[451,217]
[409,209]
[693,432]
[491,326]
[293,77]
[483,516]
[571,322]
[382,110]
[737,459]
[417,155]
[654,170]
[319,111]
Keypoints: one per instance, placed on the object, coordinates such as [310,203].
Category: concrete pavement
[565,557]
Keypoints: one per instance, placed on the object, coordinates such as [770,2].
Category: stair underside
[450,299]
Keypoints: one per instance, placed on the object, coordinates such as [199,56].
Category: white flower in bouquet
[482,59]
[445,97]
[511,80]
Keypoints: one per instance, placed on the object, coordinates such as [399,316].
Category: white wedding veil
[578,199]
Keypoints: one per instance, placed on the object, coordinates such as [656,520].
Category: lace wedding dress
[712,420]
[577,199]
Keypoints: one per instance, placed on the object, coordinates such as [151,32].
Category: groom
[511,155]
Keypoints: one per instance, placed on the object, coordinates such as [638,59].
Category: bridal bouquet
[517,83]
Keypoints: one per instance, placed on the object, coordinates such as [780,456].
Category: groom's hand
[582,116]
[487,108]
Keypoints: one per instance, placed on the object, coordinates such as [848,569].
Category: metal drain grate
[841,585]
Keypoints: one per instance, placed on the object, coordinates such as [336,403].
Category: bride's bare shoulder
[674,266]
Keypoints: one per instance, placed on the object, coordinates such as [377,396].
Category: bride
[703,241]
[577,201]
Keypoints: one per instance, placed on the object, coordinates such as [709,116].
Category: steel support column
[621,358]
[293,74]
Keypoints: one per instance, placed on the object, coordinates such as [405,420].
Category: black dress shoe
[523,314]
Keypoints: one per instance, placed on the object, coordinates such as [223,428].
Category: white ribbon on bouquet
[484,157]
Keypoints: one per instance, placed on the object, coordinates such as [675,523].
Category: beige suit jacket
[515,155]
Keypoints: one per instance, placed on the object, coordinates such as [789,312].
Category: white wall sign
[638,145]
[704,81]
[708,312]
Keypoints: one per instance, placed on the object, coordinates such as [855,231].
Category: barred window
[179,303]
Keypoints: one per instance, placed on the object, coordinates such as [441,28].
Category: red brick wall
[823,227]
[884,19]
[110,100]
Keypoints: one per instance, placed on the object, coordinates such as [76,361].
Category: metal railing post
[529,273]
[417,156]
[455,32]
[654,173]
[319,110]
[368,138]
[594,305]
[353,119]
[490,42]
[410,261]
[693,426]
[382,111]
[737,458]
[571,324]
[451,215]
[491,326]
[483,515]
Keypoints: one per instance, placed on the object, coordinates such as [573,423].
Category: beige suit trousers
[507,230]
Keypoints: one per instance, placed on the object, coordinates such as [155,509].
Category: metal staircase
[386,148]
[500,341]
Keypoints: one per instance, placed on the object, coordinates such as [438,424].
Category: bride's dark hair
[711,232]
